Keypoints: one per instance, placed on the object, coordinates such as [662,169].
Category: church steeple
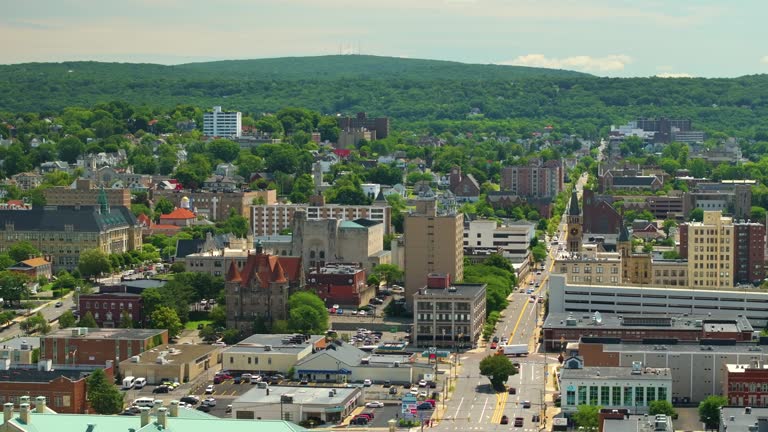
[103,203]
[573,206]
[573,224]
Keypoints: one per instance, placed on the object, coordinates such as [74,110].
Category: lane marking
[482,413]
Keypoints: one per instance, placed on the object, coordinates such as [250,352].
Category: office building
[63,390]
[218,123]
[447,314]
[512,238]
[632,388]
[433,244]
[179,362]
[63,232]
[274,219]
[535,180]
[378,126]
[270,353]
[85,192]
[749,253]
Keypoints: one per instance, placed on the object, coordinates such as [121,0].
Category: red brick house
[342,284]
[746,384]
[34,268]
[94,346]
[178,217]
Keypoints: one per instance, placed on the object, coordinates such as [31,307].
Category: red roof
[178,213]
[342,153]
[144,219]
[233,275]
[266,269]
[17,203]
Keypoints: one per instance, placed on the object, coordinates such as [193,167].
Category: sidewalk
[450,388]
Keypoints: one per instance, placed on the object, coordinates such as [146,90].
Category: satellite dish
[598,318]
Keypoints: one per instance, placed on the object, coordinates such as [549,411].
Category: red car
[494,345]
[224,376]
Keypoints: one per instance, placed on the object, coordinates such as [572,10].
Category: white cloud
[674,75]
[764,60]
[610,63]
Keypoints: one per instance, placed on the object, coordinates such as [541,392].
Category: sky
[673,38]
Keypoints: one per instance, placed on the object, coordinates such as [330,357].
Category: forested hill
[409,91]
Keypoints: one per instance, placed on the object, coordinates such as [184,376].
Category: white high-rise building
[222,124]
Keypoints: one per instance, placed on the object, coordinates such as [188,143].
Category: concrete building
[379,126]
[323,241]
[590,266]
[63,232]
[746,384]
[93,346]
[175,362]
[433,244]
[342,284]
[513,238]
[18,351]
[632,388]
[709,248]
[749,253]
[743,419]
[613,420]
[448,314]
[562,328]
[273,219]
[536,180]
[657,301]
[260,290]
[85,192]
[215,205]
[698,367]
[270,353]
[341,362]
[669,273]
[330,405]
[218,123]
[63,390]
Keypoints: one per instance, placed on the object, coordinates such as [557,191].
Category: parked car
[393,390]
[304,381]
[367,383]
[237,380]
[339,311]
[374,404]
[59,304]
[190,400]
[526,404]
[209,390]
[495,339]
[160,389]
[518,422]
[209,401]
[422,383]
[494,345]
[229,409]
[504,420]
[431,401]
[424,406]
[387,383]
[204,408]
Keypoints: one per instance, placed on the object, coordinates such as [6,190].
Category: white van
[139,383]
[128,382]
[144,402]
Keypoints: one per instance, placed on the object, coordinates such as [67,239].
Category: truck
[514,350]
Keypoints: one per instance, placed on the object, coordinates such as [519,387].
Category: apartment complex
[218,123]
[85,192]
[216,205]
[272,219]
[535,180]
[448,314]
[433,244]
[62,232]
[377,126]
[513,238]
[748,257]
[746,384]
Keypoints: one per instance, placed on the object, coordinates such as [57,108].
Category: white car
[423,393]
[414,391]
[335,306]
[423,383]
[361,313]
[209,401]
[367,383]
[375,404]
[209,389]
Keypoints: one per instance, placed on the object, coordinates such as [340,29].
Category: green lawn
[192,325]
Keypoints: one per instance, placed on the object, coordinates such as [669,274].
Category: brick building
[748,257]
[93,346]
[342,284]
[746,384]
[107,308]
[33,267]
[536,180]
[599,215]
[216,205]
[85,192]
[64,390]
[272,219]
[379,126]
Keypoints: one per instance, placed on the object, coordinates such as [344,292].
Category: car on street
[422,383]
[532,299]
[367,383]
[518,422]
[204,408]
[512,390]
[59,304]
[361,313]
[424,406]
[423,393]
[209,389]
[526,404]
[414,391]
[209,401]
[504,420]
[374,404]
[190,400]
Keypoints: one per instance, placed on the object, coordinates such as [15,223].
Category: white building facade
[513,238]
[220,123]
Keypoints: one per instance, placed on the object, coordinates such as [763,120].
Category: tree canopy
[103,395]
[307,313]
[498,369]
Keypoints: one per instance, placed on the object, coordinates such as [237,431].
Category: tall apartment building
[536,180]
[379,126]
[220,123]
[433,244]
[271,219]
[215,205]
[721,252]
[85,192]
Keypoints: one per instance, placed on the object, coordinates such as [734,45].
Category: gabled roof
[56,218]
[178,213]
[30,263]
[635,181]
[266,269]
[624,234]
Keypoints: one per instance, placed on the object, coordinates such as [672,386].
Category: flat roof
[636,423]
[273,344]
[30,341]
[173,354]
[455,290]
[683,348]
[741,420]
[594,372]
[696,322]
[106,333]
[301,395]
[741,368]
[39,376]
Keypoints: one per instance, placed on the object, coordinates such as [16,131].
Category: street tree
[36,324]
[22,250]
[307,313]
[126,320]
[709,411]
[167,318]
[103,396]
[163,206]
[661,407]
[389,272]
[587,416]
[93,262]
[498,369]
[87,321]
[67,319]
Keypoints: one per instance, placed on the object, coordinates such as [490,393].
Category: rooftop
[61,218]
[172,354]
[275,343]
[31,342]
[678,348]
[105,333]
[41,376]
[623,373]
[301,395]
[741,368]
[455,290]
[706,323]
[739,420]
[638,423]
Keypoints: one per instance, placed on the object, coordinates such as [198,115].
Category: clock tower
[574,224]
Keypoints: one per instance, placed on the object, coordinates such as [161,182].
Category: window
[651,394]
[249,360]
[593,395]
[662,393]
[256,360]
[582,394]
[231,360]
[616,396]
[604,395]
[269,360]
[570,398]
[627,395]
[639,393]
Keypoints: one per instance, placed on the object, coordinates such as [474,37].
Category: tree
[224,149]
[70,148]
[103,396]
[22,250]
[93,262]
[177,267]
[661,407]
[498,369]
[36,324]
[126,320]
[709,411]
[497,260]
[539,252]
[67,319]
[166,318]
[164,206]
[88,321]
[218,315]
[697,215]
[671,255]
[587,416]
[329,129]
[307,313]
[757,214]
[389,272]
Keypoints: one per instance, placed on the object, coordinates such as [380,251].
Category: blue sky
[703,38]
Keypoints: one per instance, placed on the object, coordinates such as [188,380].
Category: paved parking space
[386,413]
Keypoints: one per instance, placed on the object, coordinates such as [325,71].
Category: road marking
[483,412]
[459,408]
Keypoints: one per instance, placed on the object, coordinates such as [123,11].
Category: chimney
[144,416]
[24,413]
[7,412]
[40,404]
[174,408]
[162,417]
[24,400]
[156,405]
